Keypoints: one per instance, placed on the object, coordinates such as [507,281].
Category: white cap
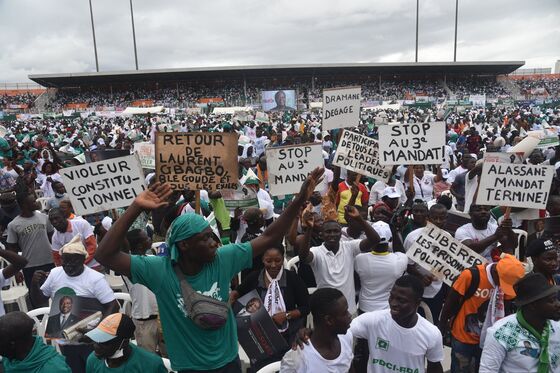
[106,223]
[384,231]
[444,173]
[391,192]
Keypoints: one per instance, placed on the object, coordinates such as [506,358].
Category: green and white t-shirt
[510,348]
[393,348]
[189,346]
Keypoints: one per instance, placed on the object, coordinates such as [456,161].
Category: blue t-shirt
[189,346]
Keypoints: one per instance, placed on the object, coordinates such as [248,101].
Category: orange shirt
[467,323]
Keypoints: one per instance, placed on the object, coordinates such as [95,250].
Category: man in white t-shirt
[333,261]
[399,339]
[73,274]
[65,230]
[330,347]
[481,235]
[328,178]
[15,264]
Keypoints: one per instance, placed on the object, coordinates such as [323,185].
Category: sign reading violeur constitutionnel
[411,143]
[104,185]
[197,160]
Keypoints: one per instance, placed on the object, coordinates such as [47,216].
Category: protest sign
[241,197]
[412,143]
[513,185]
[360,154]
[198,160]
[438,252]
[103,185]
[257,333]
[341,107]
[288,166]
[147,153]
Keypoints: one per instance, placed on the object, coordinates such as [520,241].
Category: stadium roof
[268,71]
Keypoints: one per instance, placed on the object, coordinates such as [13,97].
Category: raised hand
[307,220]
[352,212]
[154,197]
[314,178]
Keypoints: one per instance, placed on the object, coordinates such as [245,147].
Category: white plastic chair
[44,203]
[427,312]
[167,365]
[292,263]
[17,293]
[521,237]
[270,368]
[41,317]
[125,302]
[116,282]
[39,193]
[245,362]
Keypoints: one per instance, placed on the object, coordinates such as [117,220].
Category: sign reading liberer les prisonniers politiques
[360,154]
[341,107]
[198,160]
[441,254]
[411,143]
[289,166]
[103,185]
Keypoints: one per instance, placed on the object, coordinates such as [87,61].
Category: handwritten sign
[288,166]
[514,185]
[341,107]
[198,160]
[147,153]
[412,143]
[103,185]
[360,154]
[438,252]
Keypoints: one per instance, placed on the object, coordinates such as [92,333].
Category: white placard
[514,185]
[103,185]
[438,252]
[288,166]
[412,143]
[147,153]
[360,154]
[341,107]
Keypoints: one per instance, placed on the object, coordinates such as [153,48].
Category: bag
[471,290]
[206,312]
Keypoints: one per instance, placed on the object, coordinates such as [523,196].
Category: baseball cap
[510,270]
[539,246]
[384,231]
[111,327]
[391,192]
[444,173]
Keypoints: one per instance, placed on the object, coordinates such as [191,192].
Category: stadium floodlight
[93,33]
[417,12]
[456,19]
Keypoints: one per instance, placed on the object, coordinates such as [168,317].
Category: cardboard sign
[103,185]
[147,153]
[360,154]
[198,160]
[412,143]
[514,185]
[288,166]
[341,107]
[438,252]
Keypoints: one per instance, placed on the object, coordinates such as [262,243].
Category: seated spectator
[22,351]
[113,351]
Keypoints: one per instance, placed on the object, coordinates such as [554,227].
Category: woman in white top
[423,183]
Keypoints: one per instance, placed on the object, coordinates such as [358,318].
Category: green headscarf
[185,226]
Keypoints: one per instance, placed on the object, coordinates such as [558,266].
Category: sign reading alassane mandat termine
[441,254]
[412,143]
[104,185]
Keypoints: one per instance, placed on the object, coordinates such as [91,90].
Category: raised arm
[372,238]
[304,240]
[277,230]
[109,253]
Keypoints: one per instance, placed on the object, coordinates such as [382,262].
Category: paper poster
[341,107]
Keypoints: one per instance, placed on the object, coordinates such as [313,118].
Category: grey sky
[54,36]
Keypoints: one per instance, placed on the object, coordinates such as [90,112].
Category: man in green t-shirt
[113,352]
[206,268]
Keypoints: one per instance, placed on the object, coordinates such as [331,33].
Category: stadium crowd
[367,305]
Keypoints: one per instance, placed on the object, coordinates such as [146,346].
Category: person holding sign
[350,192]
[195,270]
